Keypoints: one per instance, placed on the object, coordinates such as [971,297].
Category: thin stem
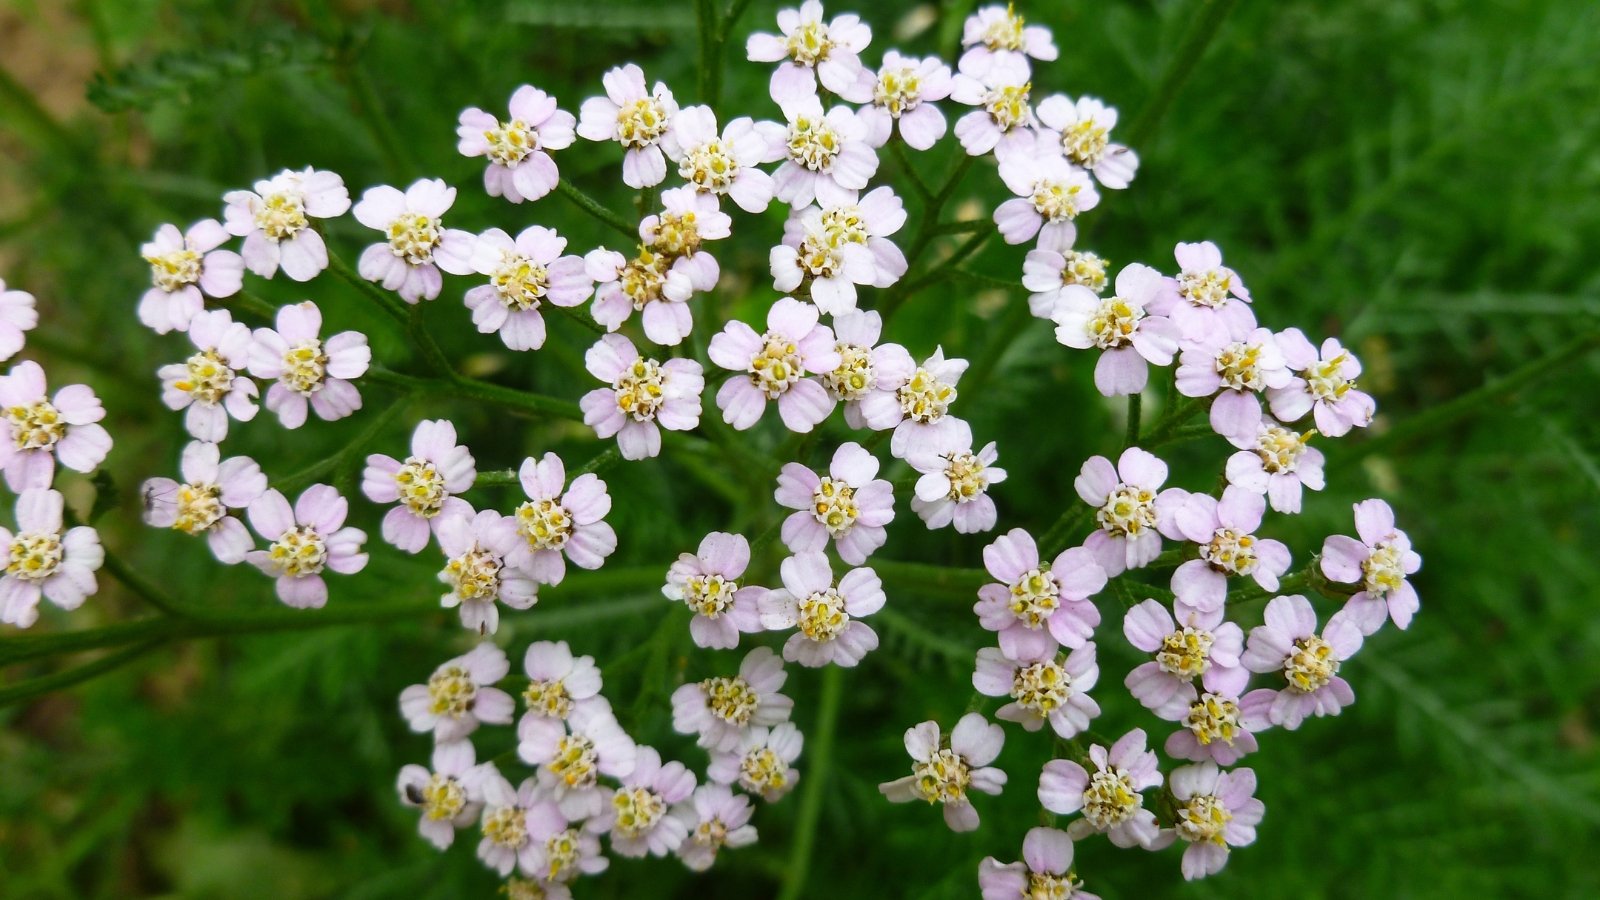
[370,110]
[512,398]
[140,587]
[983,367]
[55,681]
[705,13]
[352,450]
[1194,45]
[591,206]
[1135,400]
[936,274]
[598,463]
[820,744]
[935,578]
[1072,518]
[919,187]
[408,315]
[1168,423]
[248,302]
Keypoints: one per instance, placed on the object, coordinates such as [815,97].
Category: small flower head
[562,524]
[1289,646]
[813,51]
[945,773]
[1036,604]
[1216,810]
[1047,688]
[1132,510]
[18,316]
[828,251]
[306,370]
[826,156]
[1235,366]
[304,541]
[416,244]
[201,503]
[1219,727]
[459,695]
[1053,267]
[716,817]
[645,395]
[1003,121]
[1080,131]
[763,763]
[1122,326]
[647,284]
[720,165]
[1380,562]
[450,795]
[558,683]
[917,406]
[721,709]
[1000,42]
[904,93]
[1111,797]
[275,221]
[518,149]
[516,824]
[1206,298]
[1051,193]
[211,384]
[37,431]
[826,616]
[1198,643]
[571,759]
[524,274]
[780,364]
[955,482]
[708,582]
[865,366]
[423,486]
[186,267]
[1277,462]
[849,506]
[637,817]
[46,559]
[679,232]
[1045,872]
[1226,532]
[634,116]
[1323,383]
[484,568]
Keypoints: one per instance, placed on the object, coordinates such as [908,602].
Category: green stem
[45,684]
[511,398]
[358,445]
[370,110]
[817,778]
[1195,41]
[705,13]
[140,587]
[409,316]
[1071,519]
[250,303]
[1174,417]
[933,276]
[1135,401]
[591,206]
[903,159]
[924,576]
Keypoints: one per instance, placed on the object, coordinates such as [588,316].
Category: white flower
[763,763]
[637,817]
[687,220]
[813,51]
[707,581]
[459,695]
[849,506]
[715,817]
[524,274]
[826,157]
[450,796]
[485,565]
[1053,266]
[1042,689]
[779,364]
[516,823]
[275,221]
[644,396]
[183,266]
[37,431]
[1111,798]
[945,774]
[520,167]
[572,758]
[904,92]
[1123,326]
[827,617]
[563,524]
[45,559]
[558,685]
[1004,119]
[416,244]
[865,366]
[424,484]
[199,505]
[647,284]
[917,406]
[832,249]
[1081,131]
[309,371]
[955,482]
[306,540]
[211,383]
[999,42]
[720,166]
[719,710]
[636,118]
[17,317]
[1051,193]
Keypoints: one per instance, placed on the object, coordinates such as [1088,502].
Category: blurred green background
[1415,176]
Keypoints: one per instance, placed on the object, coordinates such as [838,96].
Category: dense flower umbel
[998,41]
[1132,510]
[200,504]
[1379,562]
[763,763]
[814,51]
[520,166]
[708,582]
[275,221]
[1219,727]
[304,541]
[1308,663]
[1225,530]
[524,274]
[183,267]
[484,568]
[1045,872]
[724,165]
[46,559]
[416,244]
[1216,810]
[1111,797]
[780,364]
[1037,605]
[39,430]
[720,710]
[18,316]
[904,93]
[634,116]
[306,370]
[645,396]
[560,525]
[211,384]
[945,774]
[424,484]
[850,505]
[826,617]
[450,796]
[460,694]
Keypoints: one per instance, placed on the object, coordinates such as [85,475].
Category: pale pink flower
[524,274]
[1276,462]
[560,525]
[425,484]
[1206,298]
[1131,336]
[687,220]
[40,431]
[1236,366]
[572,758]
[1080,131]
[1322,383]
[826,157]
[763,763]
[46,559]
[645,396]
[830,250]
[813,50]
[850,505]
[1003,121]
[1111,797]
[416,244]
[1288,645]
[1044,872]
[18,316]
[1202,645]
[904,92]
[648,284]
[715,817]
[707,581]
[1053,266]
[1037,605]
[780,364]
[1132,510]
[516,823]
[520,166]
[720,166]
[916,406]
[200,504]
[562,858]
[186,267]
[1216,810]
[955,480]
[635,117]
[1050,194]
[1379,562]
[637,816]
[211,384]
[275,221]
[1226,532]
[1219,727]
[304,541]
[998,41]
[484,568]
[450,795]
[459,695]
[865,366]
[719,710]
[307,371]
[826,617]
[559,684]
[945,774]
[1042,688]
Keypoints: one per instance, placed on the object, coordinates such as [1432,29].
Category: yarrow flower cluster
[810,584]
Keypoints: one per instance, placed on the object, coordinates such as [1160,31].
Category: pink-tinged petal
[305,592]
[1236,415]
[1096,480]
[1374,521]
[1290,616]
[1147,625]
[805,405]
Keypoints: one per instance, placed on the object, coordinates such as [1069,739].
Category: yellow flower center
[174,270]
[1084,143]
[443,797]
[421,487]
[1086,269]
[809,44]
[1005,33]
[642,122]
[300,551]
[1208,288]
[899,90]
[1114,323]
[474,575]
[709,595]
[545,523]
[709,167]
[1204,818]
[521,283]
[1008,104]
[1044,886]
[1280,449]
[35,556]
[1110,799]
[1325,382]
[965,472]
[304,367]
[1383,570]
[643,276]
[1213,718]
[834,506]
[562,851]
[1231,552]
[813,143]
[1239,366]
[712,834]
[451,692]
[677,234]
[35,426]
[777,366]
[1055,200]
[853,377]
[208,379]
[1042,687]
[281,215]
[413,236]
[1186,652]
[925,398]
[199,508]
[822,615]
[641,389]
[511,142]
[506,826]
[730,699]
[941,779]
[1129,511]
[575,761]
[763,771]
[524,889]
[1311,665]
[548,698]
[1034,596]
[638,810]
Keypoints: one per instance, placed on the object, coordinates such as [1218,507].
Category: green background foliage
[1415,176]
